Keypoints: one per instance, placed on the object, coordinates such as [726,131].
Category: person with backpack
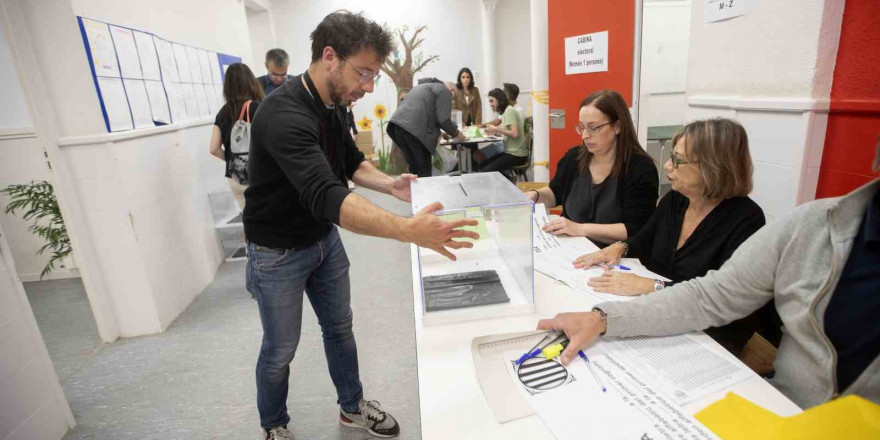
[230,138]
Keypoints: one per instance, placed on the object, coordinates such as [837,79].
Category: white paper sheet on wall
[205,67]
[202,101]
[147,55]
[101,48]
[176,102]
[192,55]
[115,104]
[221,101]
[167,62]
[189,97]
[214,62]
[182,63]
[212,99]
[158,102]
[126,52]
[139,103]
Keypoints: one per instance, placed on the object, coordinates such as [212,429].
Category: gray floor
[196,380]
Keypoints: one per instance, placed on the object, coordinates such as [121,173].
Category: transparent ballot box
[494,278]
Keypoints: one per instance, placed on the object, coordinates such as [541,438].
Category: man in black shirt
[300,161]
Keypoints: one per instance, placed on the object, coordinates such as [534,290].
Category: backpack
[240,143]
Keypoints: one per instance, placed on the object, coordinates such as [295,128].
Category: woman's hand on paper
[621,283]
[609,255]
[563,226]
[580,328]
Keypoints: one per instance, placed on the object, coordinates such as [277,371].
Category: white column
[540,91]
[490,80]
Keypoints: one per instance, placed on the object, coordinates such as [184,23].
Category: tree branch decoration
[402,69]
[38,201]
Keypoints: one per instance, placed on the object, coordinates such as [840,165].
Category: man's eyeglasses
[593,130]
[366,77]
[278,75]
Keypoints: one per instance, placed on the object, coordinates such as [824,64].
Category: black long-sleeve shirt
[636,191]
[711,244]
[300,161]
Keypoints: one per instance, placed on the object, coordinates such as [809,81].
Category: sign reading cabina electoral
[586,53]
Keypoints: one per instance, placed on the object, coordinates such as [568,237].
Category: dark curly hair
[349,33]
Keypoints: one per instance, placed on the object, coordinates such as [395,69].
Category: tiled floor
[196,380]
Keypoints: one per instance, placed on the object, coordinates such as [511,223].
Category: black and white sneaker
[277,433]
[371,418]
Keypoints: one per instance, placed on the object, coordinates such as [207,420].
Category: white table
[452,403]
[463,149]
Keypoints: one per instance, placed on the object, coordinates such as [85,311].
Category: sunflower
[380,111]
[365,124]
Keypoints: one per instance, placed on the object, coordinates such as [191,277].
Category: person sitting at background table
[820,263]
[513,150]
[467,99]
[607,185]
[511,90]
[697,226]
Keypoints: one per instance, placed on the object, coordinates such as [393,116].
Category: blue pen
[621,267]
[535,351]
[590,366]
[527,356]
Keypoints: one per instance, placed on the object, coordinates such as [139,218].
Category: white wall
[32,405]
[771,70]
[23,162]
[138,201]
[665,40]
[514,46]
[262,38]
[454,34]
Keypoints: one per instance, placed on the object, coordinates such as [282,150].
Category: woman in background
[513,150]
[467,99]
[240,87]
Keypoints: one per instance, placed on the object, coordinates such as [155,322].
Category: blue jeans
[277,279]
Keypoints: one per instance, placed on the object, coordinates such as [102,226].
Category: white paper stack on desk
[554,257]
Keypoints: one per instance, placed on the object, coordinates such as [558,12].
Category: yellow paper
[850,417]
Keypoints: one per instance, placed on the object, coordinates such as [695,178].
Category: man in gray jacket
[415,126]
[821,263]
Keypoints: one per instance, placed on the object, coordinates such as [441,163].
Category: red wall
[854,118]
[567,18]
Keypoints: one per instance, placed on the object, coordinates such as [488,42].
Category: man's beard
[333,90]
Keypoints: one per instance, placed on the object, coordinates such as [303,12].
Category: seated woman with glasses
[697,225]
[608,184]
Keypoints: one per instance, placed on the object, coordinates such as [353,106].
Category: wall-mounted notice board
[143,80]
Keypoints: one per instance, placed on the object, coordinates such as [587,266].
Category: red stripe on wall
[854,116]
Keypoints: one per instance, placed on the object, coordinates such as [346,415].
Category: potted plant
[37,200]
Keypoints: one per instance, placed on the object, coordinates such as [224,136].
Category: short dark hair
[501,97]
[349,33]
[278,57]
[512,91]
[458,81]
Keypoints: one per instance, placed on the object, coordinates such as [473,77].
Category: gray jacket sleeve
[742,285]
[443,110]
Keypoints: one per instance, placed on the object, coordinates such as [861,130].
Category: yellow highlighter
[552,351]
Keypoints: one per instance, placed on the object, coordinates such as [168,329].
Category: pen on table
[618,266]
[535,351]
[590,366]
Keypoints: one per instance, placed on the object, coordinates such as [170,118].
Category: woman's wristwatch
[659,285]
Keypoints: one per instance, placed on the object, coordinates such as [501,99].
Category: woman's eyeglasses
[593,130]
